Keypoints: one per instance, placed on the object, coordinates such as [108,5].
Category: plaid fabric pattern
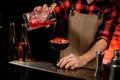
[114,45]
[106,29]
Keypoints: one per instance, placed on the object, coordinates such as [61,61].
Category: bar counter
[82,74]
[40,70]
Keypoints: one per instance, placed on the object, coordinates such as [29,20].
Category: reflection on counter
[46,67]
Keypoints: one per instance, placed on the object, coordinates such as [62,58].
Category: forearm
[100,45]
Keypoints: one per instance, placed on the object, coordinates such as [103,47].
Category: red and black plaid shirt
[106,29]
[115,42]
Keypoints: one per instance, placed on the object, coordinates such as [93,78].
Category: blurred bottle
[24,50]
[13,43]
[115,66]
[3,45]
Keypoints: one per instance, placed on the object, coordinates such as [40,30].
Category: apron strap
[72,6]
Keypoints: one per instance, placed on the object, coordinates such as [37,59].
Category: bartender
[87,24]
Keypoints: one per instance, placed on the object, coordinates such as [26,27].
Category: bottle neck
[13,38]
[24,37]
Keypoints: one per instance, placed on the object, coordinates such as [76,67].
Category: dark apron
[81,34]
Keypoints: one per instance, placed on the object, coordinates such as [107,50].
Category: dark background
[39,38]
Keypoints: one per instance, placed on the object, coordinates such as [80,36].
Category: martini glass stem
[58,56]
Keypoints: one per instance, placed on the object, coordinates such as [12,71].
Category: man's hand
[45,7]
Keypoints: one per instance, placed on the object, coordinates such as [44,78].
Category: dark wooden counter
[50,69]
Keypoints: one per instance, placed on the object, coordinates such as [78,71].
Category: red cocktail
[59,43]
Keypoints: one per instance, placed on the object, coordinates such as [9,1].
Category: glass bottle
[24,50]
[13,43]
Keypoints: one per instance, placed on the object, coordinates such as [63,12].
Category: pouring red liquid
[37,24]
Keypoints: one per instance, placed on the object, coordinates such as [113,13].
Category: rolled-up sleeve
[107,28]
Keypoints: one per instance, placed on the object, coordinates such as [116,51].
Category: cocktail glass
[59,44]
